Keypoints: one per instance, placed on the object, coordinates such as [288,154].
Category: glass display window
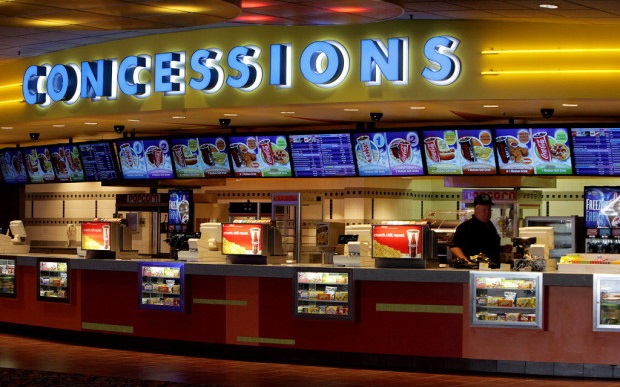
[324,294]
[161,286]
[54,276]
[7,277]
[606,302]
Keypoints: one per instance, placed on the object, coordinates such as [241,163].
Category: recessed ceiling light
[548,6]
[6,127]
[490,106]
[351,110]
[231,115]
[291,112]
[417,107]
[178,117]
[58,125]
[133,120]
[90,123]
[570,104]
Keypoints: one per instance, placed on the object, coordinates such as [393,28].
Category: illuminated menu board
[145,159]
[200,157]
[266,156]
[12,166]
[98,161]
[459,152]
[539,151]
[388,153]
[596,151]
[322,155]
[66,163]
[39,165]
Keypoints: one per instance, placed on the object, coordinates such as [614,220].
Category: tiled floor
[47,355]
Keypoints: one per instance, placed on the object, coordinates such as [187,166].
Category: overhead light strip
[547,72]
[552,51]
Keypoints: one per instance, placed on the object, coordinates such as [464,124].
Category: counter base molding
[89,326]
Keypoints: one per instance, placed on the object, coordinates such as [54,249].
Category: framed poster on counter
[533,151]
[195,157]
[459,152]
[144,159]
[322,155]
[12,166]
[99,161]
[388,153]
[601,210]
[260,156]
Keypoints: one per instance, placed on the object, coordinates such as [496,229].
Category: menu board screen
[200,157]
[596,151]
[12,166]
[540,151]
[266,156]
[179,210]
[388,154]
[98,161]
[144,159]
[397,241]
[38,163]
[66,163]
[459,152]
[602,211]
[322,155]
[96,236]
[242,239]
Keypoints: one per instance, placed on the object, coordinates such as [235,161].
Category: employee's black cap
[483,199]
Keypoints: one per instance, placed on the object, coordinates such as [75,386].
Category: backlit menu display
[12,166]
[388,154]
[200,157]
[145,159]
[596,151]
[66,163]
[322,155]
[39,165]
[537,151]
[459,152]
[98,161]
[266,156]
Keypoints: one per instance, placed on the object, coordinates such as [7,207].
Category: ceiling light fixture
[490,106]
[351,110]
[291,112]
[6,127]
[231,115]
[417,107]
[570,105]
[90,123]
[133,120]
[178,117]
[548,6]
[58,126]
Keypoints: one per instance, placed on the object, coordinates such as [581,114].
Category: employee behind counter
[477,234]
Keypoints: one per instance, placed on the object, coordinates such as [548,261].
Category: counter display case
[162,286]
[606,292]
[7,277]
[53,280]
[324,293]
[506,299]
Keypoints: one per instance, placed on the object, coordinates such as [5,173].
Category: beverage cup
[404,150]
[266,151]
[541,141]
[432,149]
[365,147]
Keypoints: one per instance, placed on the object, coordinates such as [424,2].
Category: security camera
[119,128]
[224,122]
[376,116]
[34,136]
[547,113]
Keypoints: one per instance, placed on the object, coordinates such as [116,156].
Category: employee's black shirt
[475,237]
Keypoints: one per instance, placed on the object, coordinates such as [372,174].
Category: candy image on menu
[200,157]
[475,150]
[39,165]
[388,153]
[542,151]
[66,163]
[397,241]
[143,159]
[441,150]
[12,166]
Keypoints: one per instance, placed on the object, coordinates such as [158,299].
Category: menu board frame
[264,155]
[534,150]
[201,156]
[349,169]
[113,158]
[141,158]
[388,153]
[466,151]
[12,166]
